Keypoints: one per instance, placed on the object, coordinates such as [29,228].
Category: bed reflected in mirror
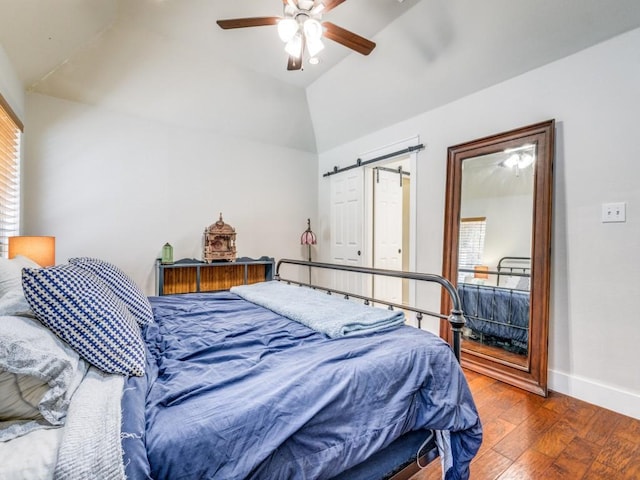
[496,251]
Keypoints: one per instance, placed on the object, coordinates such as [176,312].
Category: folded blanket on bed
[91,446]
[328,314]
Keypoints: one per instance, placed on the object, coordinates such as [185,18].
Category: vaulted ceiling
[167,60]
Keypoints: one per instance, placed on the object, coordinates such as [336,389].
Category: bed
[233,389]
[499,314]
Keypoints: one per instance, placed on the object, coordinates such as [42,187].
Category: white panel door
[346,226]
[387,234]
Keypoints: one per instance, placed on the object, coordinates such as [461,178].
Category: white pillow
[510,282]
[12,300]
[32,357]
[524,283]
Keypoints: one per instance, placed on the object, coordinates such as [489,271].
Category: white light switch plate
[614,212]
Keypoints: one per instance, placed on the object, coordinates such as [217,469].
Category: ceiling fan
[301,30]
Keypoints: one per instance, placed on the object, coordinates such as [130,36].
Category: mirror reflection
[494,251]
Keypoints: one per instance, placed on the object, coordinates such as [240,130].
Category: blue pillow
[121,284]
[79,308]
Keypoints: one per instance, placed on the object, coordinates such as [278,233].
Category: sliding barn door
[387,233]
[347,211]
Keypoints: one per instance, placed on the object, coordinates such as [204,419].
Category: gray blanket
[328,314]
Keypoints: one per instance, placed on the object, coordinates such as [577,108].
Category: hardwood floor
[558,437]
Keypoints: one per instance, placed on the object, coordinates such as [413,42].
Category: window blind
[471,246]
[10,134]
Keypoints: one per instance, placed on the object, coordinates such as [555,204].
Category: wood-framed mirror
[497,242]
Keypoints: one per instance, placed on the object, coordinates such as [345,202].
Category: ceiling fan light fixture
[512,161]
[302,32]
[318,9]
[526,160]
[287,29]
[294,46]
[518,160]
[305,4]
[314,46]
[312,29]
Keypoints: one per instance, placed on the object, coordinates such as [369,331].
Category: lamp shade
[41,250]
[481,271]
[308,237]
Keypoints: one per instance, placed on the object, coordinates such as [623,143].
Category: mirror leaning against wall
[497,252]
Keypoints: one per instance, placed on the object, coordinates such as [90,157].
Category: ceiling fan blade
[331,4]
[294,63]
[347,38]
[247,22]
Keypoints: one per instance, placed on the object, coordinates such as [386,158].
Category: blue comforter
[233,391]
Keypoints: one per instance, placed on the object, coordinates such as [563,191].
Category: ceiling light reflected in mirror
[519,158]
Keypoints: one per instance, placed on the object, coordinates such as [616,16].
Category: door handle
[359,252]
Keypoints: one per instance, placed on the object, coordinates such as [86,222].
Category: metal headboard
[514,266]
[523,269]
[455,318]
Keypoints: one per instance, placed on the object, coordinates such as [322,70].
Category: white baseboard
[606,396]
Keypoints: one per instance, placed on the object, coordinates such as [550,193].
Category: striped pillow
[121,284]
[79,308]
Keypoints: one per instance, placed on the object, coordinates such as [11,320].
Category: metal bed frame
[514,266]
[455,318]
[429,451]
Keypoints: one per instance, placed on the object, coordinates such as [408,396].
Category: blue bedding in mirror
[497,311]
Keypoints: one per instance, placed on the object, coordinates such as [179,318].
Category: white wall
[508,227]
[595,99]
[118,187]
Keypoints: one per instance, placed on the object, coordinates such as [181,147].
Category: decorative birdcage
[219,242]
